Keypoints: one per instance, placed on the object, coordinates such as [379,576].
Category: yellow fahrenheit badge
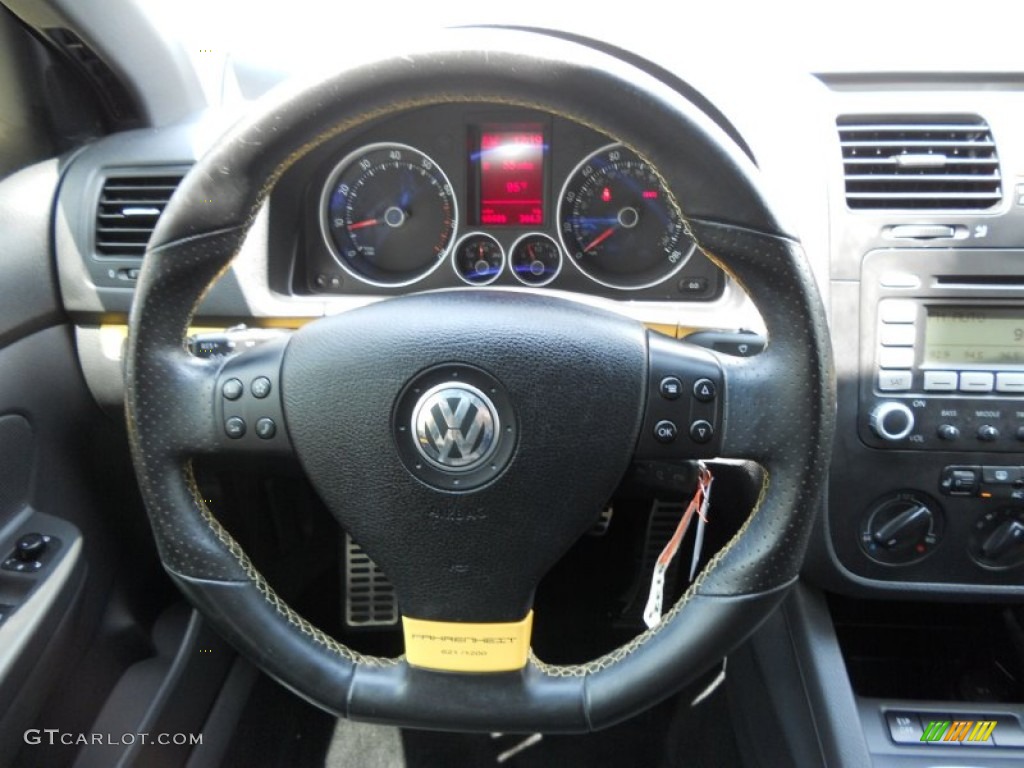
[457,647]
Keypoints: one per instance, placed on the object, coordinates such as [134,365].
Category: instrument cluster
[464,195]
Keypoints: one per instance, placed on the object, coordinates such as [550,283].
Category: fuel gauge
[478,259]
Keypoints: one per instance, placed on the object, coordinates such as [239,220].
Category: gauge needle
[364,223]
[600,239]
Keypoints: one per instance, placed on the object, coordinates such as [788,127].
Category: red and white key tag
[699,505]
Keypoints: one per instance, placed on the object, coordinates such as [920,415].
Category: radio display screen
[974,336]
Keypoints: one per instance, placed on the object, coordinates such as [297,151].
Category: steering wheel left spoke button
[452,646]
[235,427]
[260,387]
[248,406]
[233,389]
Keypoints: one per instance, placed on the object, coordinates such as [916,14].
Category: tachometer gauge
[619,224]
[389,214]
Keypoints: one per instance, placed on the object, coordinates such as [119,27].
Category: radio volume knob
[892,421]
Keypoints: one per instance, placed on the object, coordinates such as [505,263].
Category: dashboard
[908,195]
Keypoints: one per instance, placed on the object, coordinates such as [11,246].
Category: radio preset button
[940,381]
[896,357]
[1012,383]
[898,335]
[988,433]
[948,432]
[897,311]
[976,381]
[895,381]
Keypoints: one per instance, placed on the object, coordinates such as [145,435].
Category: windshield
[732,39]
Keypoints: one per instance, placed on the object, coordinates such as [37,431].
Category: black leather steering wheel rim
[779,410]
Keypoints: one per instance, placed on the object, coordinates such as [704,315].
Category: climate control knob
[892,421]
[997,540]
[902,528]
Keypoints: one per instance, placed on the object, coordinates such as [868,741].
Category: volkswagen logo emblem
[455,426]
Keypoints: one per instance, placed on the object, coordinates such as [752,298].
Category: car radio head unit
[942,358]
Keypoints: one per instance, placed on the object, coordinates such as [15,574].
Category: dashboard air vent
[910,163]
[128,210]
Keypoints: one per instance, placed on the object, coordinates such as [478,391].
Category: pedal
[660,527]
[369,596]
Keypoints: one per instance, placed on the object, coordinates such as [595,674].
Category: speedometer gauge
[618,222]
[389,214]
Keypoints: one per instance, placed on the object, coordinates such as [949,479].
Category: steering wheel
[467,438]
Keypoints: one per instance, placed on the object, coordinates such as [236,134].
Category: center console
[939,421]
[926,507]
[907,627]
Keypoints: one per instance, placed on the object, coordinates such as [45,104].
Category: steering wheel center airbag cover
[566,383]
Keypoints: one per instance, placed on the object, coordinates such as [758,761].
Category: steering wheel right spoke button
[684,402]
[671,387]
[665,431]
[701,431]
[705,390]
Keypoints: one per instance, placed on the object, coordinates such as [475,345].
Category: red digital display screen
[511,176]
